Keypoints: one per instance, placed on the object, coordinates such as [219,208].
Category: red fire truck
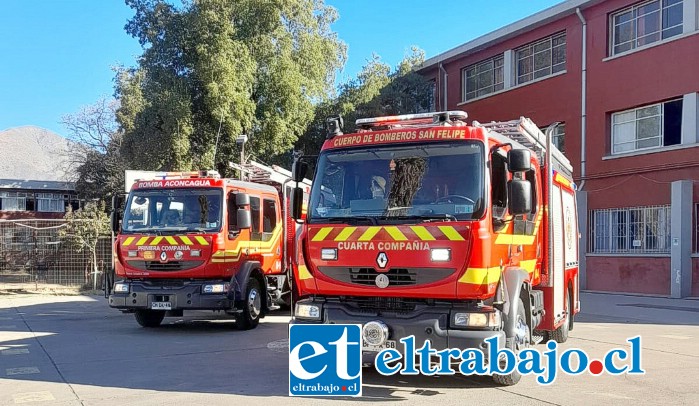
[449,232]
[195,241]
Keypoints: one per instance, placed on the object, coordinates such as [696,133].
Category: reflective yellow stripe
[142,241]
[510,239]
[186,240]
[451,233]
[201,240]
[156,240]
[396,233]
[129,240]
[422,232]
[218,254]
[303,273]
[369,233]
[345,234]
[322,233]
[481,276]
[528,265]
[171,240]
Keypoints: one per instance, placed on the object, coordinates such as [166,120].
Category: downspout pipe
[583,101]
[446,76]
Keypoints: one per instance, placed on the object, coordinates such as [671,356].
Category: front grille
[164,266]
[396,276]
[393,304]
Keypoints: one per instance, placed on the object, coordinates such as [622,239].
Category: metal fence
[631,230]
[40,252]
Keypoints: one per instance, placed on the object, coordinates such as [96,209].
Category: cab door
[272,234]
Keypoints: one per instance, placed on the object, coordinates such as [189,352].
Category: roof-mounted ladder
[525,132]
[259,173]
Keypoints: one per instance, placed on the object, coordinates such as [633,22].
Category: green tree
[83,229]
[214,69]
[377,91]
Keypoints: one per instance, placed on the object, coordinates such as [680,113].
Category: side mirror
[297,203]
[298,170]
[115,216]
[242,199]
[520,196]
[519,160]
[244,219]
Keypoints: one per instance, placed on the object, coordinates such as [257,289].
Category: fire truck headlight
[464,319]
[215,288]
[307,311]
[121,287]
[195,253]
[440,255]
[132,254]
[328,254]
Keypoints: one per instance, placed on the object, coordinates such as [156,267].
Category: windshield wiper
[349,220]
[424,217]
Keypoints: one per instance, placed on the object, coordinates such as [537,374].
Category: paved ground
[74,350]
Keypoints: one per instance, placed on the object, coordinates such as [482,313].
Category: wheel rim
[254,304]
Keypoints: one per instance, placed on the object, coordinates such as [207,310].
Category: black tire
[251,306]
[562,333]
[149,318]
[514,377]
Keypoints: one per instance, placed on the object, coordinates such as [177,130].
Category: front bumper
[183,296]
[424,323]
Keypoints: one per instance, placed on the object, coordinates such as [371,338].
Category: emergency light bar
[420,118]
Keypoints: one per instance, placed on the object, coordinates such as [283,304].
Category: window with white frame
[632,230]
[645,23]
[13,201]
[50,202]
[651,126]
[558,136]
[483,78]
[541,58]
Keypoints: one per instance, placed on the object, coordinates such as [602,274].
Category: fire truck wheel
[562,332]
[516,344]
[149,318]
[251,306]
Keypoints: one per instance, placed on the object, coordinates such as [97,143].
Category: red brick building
[622,76]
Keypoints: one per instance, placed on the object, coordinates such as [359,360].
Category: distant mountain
[34,153]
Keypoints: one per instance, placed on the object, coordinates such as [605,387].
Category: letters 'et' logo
[325,360]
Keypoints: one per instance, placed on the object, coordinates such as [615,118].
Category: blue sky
[56,55]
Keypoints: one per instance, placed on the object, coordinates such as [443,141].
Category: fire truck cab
[427,226]
[195,241]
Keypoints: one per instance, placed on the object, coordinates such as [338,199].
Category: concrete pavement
[75,350]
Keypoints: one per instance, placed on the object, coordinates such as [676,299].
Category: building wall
[658,73]
[628,274]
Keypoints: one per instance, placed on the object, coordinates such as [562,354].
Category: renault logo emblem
[163,256]
[382,260]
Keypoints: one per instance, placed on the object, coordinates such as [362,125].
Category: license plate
[161,306]
[375,348]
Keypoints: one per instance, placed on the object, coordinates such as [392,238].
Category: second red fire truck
[425,225]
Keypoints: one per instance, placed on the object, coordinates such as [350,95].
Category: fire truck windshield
[173,211]
[429,181]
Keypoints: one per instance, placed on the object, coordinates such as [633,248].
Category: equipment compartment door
[558,259]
